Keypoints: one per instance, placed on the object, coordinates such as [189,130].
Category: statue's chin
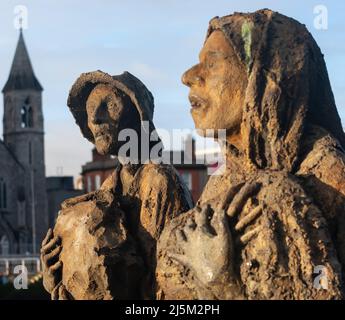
[103,149]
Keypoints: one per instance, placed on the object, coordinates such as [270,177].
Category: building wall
[89,178]
[13,220]
[55,198]
[59,189]
[197,180]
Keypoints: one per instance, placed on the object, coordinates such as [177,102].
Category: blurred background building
[192,170]
[23,201]
[29,201]
[59,188]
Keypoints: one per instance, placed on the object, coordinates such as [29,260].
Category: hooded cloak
[288,88]
[289,122]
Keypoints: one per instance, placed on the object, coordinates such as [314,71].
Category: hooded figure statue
[103,245]
[126,83]
[271,226]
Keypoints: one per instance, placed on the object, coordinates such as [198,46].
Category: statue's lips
[101,135]
[196,102]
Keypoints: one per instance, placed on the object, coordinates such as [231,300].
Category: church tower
[24,137]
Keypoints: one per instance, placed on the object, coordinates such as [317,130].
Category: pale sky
[155,40]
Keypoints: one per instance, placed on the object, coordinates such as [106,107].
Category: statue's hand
[51,266]
[207,243]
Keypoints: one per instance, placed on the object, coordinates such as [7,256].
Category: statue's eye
[210,63]
[103,105]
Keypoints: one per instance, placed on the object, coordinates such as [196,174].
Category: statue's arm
[163,198]
[323,173]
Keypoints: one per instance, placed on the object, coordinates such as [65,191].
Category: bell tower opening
[27,115]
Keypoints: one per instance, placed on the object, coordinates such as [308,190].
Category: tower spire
[20,25]
[22,75]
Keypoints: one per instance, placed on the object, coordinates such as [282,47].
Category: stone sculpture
[103,245]
[264,228]
[272,225]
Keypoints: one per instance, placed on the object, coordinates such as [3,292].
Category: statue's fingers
[63,293]
[251,216]
[179,258]
[52,269]
[55,293]
[48,237]
[229,196]
[201,218]
[49,246]
[241,197]
[53,254]
[219,222]
[250,235]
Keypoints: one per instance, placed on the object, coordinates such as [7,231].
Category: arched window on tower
[3,194]
[30,118]
[24,114]
[27,115]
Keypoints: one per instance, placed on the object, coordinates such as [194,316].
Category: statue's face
[217,86]
[104,109]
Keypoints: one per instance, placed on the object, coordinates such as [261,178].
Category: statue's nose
[99,114]
[185,79]
[191,76]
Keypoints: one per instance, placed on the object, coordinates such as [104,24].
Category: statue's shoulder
[68,203]
[326,151]
[158,175]
[160,169]
[325,162]
[163,179]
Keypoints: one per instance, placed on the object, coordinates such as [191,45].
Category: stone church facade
[23,197]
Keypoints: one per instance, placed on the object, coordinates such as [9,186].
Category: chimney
[98,157]
[189,149]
